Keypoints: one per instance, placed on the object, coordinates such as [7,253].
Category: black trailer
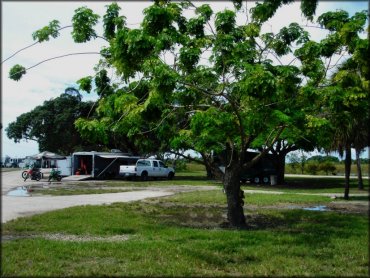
[260,172]
[100,165]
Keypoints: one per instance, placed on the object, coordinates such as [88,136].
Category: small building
[100,165]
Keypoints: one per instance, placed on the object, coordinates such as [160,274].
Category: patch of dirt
[65,237]
[99,186]
[360,207]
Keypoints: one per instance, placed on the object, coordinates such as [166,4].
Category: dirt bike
[54,175]
[32,173]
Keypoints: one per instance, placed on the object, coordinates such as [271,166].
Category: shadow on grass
[356,198]
[313,184]
[192,178]
[304,225]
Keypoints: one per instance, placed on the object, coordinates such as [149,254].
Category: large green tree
[51,124]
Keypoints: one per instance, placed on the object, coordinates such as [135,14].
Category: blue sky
[50,79]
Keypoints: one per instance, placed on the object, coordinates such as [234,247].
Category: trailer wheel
[266,180]
[256,180]
[170,175]
[144,176]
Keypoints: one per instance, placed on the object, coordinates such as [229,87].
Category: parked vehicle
[260,172]
[11,165]
[146,168]
[32,173]
[55,175]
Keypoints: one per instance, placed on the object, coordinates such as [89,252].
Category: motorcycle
[32,173]
[54,175]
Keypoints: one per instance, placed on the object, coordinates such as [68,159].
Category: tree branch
[57,57]
[187,157]
[24,48]
[266,150]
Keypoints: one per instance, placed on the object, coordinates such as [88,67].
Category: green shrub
[328,167]
[179,165]
[312,168]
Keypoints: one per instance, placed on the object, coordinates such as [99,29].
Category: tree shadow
[302,227]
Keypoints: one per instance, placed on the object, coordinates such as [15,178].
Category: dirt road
[15,206]
[18,206]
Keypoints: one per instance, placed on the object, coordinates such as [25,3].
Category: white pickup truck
[145,168]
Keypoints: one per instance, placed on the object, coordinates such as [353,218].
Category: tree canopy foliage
[51,125]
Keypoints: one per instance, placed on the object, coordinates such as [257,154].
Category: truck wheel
[266,180]
[144,176]
[256,180]
[170,175]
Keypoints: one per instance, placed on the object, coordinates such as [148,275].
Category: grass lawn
[182,235]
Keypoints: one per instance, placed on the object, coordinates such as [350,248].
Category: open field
[339,170]
[183,235]
[186,234]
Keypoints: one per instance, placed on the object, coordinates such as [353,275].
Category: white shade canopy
[47,155]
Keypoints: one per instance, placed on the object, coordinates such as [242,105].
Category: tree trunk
[347,171]
[279,163]
[359,172]
[234,195]
[213,172]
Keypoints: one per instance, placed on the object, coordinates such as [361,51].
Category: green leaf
[112,21]
[205,11]
[44,34]
[85,84]
[16,72]
[333,21]
[83,22]
[157,18]
[308,8]
[195,27]
[225,21]
[189,57]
